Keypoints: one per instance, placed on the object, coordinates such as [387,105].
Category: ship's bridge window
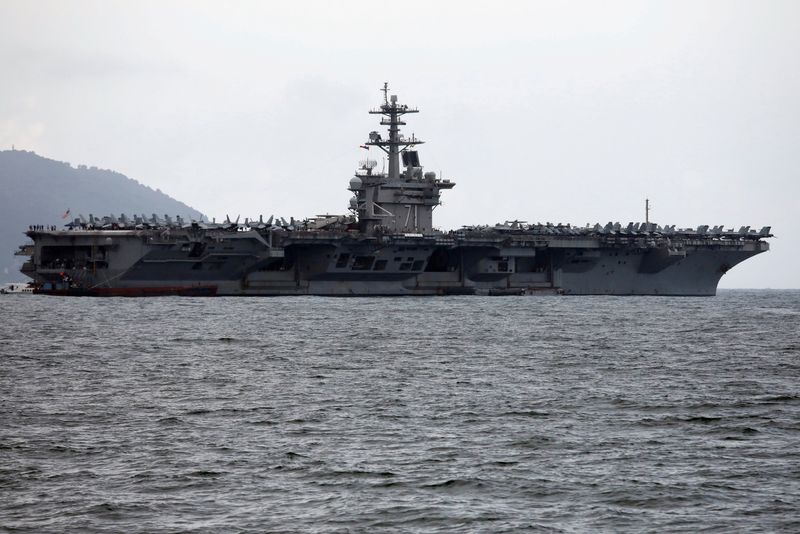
[418,265]
[380,265]
[363,263]
[342,261]
[405,266]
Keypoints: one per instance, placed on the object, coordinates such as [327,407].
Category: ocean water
[452,414]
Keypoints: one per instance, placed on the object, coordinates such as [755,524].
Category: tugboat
[17,288]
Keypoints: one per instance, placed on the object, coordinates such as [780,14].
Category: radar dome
[353,202]
[355,183]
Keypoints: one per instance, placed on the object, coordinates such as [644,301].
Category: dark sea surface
[453,414]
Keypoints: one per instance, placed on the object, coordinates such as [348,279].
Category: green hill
[37,190]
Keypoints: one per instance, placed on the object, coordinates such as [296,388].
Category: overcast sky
[540,111]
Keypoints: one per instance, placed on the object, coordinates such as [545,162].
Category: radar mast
[392,117]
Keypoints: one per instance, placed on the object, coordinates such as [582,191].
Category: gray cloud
[563,112]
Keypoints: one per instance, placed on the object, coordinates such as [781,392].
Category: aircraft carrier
[386,245]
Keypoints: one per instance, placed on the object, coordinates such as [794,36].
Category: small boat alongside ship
[17,288]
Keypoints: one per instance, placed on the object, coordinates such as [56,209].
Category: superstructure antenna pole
[647,211]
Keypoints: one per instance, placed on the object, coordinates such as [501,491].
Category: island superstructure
[386,245]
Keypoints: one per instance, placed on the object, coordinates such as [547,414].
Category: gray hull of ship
[244,264]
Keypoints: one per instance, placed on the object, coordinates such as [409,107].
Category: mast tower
[392,117]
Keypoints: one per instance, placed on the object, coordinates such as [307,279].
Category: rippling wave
[456,414]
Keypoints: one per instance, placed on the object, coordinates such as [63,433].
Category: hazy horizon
[572,112]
